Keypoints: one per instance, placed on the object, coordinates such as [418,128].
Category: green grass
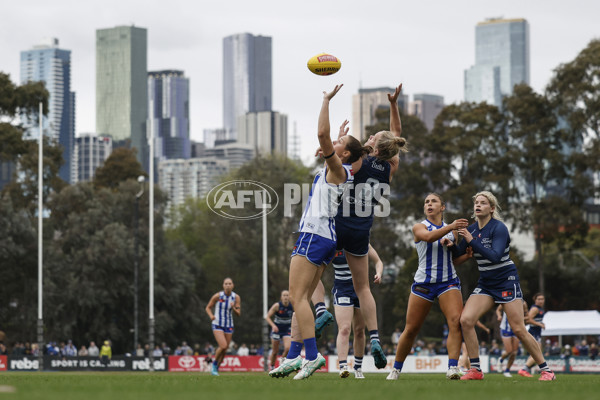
[250,386]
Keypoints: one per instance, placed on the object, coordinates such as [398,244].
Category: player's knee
[453,322]
[467,322]
[344,330]
[520,331]
[411,331]
[359,333]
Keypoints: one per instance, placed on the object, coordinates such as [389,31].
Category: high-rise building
[426,107]
[501,60]
[364,105]
[247,78]
[265,131]
[89,154]
[237,154]
[47,63]
[169,95]
[122,86]
[214,136]
[191,178]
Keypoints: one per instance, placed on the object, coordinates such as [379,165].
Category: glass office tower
[47,63]
[247,78]
[501,60]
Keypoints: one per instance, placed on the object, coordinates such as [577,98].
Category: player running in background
[224,302]
[510,341]
[536,324]
[498,283]
[435,278]
[347,312]
[315,247]
[372,175]
[279,317]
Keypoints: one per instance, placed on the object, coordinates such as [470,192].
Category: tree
[233,248]
[574,90]
[89,269]
[121,165]
[18,103]
[550,188]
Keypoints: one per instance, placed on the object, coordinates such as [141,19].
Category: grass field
[250,386]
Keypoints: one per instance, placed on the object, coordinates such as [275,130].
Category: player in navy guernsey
[316,243]
[372,175]
[224,303]
[347,312]
[279,317]
[536,324]
[498,283]
[435,278]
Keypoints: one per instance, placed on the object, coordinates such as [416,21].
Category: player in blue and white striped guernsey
[509,340]
[498,283]
[315,247]
[224,302]
[348,314]
[279,317]
[435,278]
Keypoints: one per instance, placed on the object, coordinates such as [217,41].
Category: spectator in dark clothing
[593,351]
[584,349]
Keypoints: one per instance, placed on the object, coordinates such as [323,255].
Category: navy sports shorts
[504,293]
[222,328]
[352,241]
[429,291]
[317,249]
[345,296]
[284,330]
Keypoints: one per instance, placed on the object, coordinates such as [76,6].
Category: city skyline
[47,62]
[426,47]
[501,60]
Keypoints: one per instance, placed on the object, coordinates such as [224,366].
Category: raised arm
[395,123]
[336,173]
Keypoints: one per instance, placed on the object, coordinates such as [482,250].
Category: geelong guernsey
[435,260]
[491,248]
[370,182]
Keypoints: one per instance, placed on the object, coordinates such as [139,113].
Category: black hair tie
[329,156]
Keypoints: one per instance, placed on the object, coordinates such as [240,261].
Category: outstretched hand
[344,129]
[460,223]
[393,98]
[330,95]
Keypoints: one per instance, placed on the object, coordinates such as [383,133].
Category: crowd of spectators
[580,348]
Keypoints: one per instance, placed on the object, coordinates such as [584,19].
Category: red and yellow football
[324,64]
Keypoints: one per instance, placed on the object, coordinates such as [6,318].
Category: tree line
[539,153]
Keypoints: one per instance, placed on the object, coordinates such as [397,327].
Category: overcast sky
[426,45]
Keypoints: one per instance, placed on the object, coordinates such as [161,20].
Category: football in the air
[324,64]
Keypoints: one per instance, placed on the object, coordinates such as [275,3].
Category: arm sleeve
[499,241]
[459,249]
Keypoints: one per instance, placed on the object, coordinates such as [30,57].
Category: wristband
[329,156]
